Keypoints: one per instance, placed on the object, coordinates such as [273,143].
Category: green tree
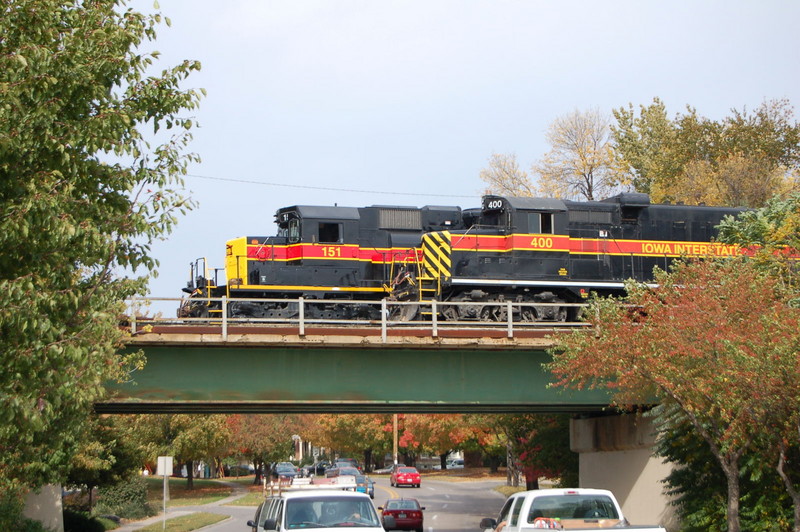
[743,159]
[83,194]
[697,483]
[189,438]
[716,339]
[105,456]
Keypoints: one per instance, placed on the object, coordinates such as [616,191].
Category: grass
[204,492]
[186,523]
[464,474]
[253,498]
[243,481]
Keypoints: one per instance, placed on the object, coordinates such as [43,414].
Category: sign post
[165,470]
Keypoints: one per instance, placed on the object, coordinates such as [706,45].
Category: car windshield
[404,504]
[331,512]
[573,507]
[407,470]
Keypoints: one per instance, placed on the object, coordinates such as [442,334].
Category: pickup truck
[562,509]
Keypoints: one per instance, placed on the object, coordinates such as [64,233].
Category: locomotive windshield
[294,231]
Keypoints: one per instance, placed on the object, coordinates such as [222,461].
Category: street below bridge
[450,506]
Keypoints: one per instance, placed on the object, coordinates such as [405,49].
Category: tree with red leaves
[717,339]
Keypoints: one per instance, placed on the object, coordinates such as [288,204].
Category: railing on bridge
[138,309]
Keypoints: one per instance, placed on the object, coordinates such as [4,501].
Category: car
[408,476]
[347,462]
[337,471]
[285,471]
[387,470]
[407,514]
[316,469]
[320,509]
[365,485]
[455,464]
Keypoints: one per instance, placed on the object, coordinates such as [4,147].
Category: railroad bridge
[388,368]
[271,368]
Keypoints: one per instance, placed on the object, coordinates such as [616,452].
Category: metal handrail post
[434,320]
[133,315]
[384,314]
[302,314]
[510,317]
[224,318]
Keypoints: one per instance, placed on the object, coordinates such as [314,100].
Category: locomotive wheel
[449,313]
[494,313]
[403,312]
[528,314]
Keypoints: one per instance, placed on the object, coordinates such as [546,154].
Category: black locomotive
[518,249]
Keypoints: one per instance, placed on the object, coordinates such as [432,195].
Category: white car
[455,464]
[321,509]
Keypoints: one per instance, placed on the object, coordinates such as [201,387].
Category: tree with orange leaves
[436,433]
[717,339]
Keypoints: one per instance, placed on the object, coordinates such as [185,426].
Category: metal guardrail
[386,308]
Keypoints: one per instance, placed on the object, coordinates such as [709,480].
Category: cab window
[540,223]
[294,231]
[330,233]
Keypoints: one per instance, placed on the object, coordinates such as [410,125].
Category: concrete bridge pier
[616,453]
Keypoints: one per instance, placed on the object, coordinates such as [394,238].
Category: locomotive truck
[548,253]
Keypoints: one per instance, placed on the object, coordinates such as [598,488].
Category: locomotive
[541,251]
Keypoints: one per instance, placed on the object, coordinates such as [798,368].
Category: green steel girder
[357,379]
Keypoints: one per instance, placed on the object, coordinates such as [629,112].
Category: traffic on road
[448,506]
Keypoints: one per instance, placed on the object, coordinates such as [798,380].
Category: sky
[388,102]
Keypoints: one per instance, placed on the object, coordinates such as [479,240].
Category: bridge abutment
[616,453]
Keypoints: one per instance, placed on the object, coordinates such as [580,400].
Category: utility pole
[394,438]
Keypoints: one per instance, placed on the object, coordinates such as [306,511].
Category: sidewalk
[238,491]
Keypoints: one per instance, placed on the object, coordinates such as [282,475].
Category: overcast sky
[369,102]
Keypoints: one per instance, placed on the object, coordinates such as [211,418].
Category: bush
[81,522]
[127,499]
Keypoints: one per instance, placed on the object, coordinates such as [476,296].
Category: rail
[387,309]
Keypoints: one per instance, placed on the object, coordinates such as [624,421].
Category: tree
[503,176]
[360,434]
[105,456]
[263,438]
[82,196]
[437,433]
[772,233]
[199,438]
[741,160]
[716,339]
[188,438]
[581,162]
[696,485]
[540,443]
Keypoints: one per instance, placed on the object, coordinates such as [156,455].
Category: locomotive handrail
[385,322]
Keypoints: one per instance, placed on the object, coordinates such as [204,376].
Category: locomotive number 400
[542,242]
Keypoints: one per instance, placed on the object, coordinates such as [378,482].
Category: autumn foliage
[715,338]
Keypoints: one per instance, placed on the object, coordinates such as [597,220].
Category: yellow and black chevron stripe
[436,250]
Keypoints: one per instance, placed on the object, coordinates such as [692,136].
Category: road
[449,506]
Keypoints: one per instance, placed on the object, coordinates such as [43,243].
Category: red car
[407,513]
[408,476]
